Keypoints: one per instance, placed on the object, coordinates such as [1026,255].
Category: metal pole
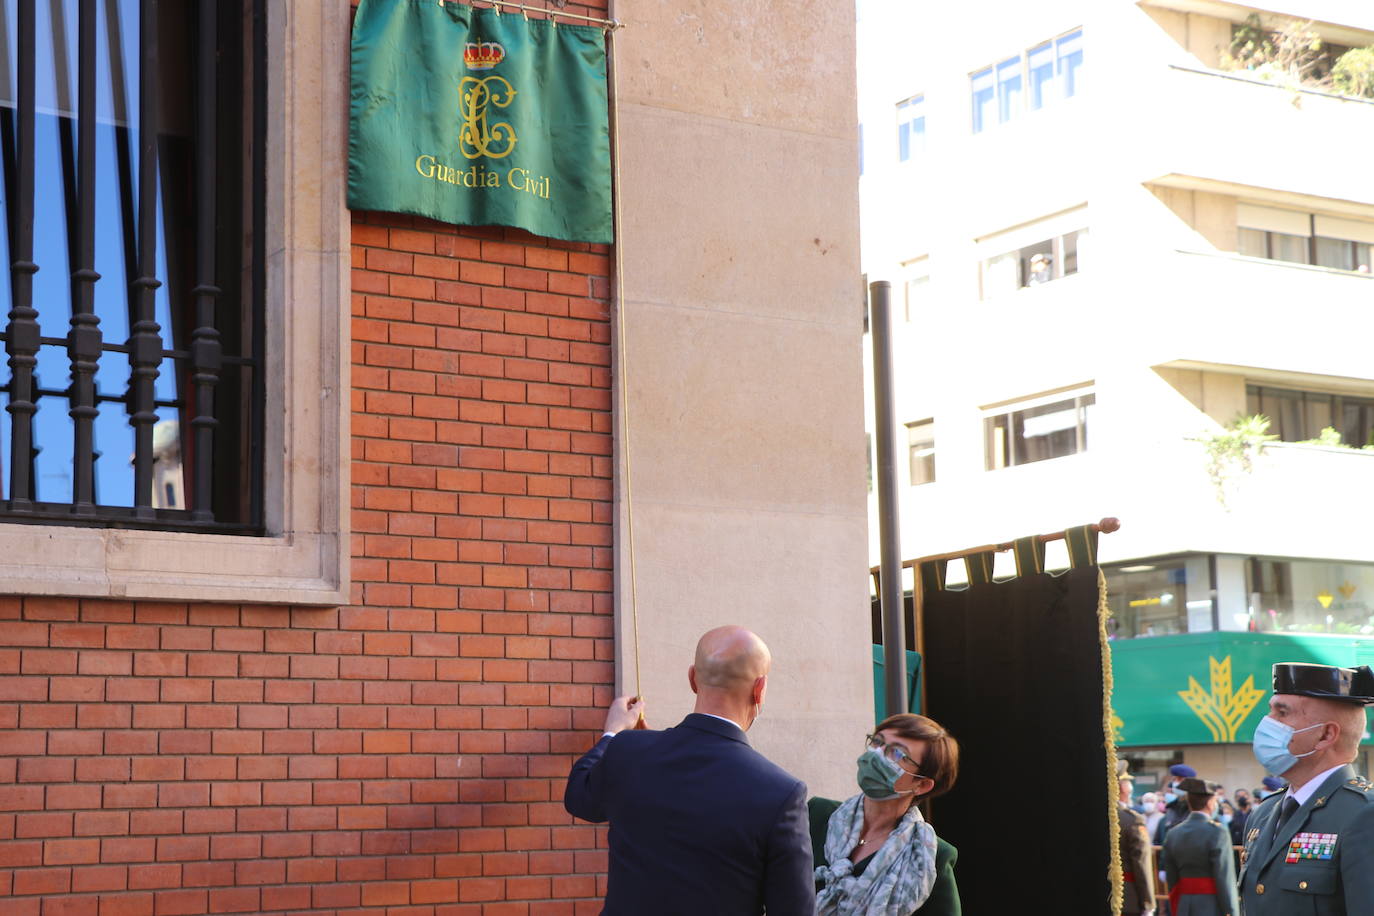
[889,533]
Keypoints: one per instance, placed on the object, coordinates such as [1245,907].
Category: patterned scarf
[897,881]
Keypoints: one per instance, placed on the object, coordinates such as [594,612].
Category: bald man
[1309,849]
[701,823]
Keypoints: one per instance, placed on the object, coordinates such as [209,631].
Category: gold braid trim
[1113,788]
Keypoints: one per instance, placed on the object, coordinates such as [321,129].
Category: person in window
[1038,271]
[875,852]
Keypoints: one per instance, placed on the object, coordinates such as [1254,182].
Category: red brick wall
[404,755]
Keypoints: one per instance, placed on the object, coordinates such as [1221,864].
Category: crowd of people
[701,823]
[1299,842]
[1147,821]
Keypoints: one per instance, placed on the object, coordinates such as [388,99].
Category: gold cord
[624,379]
[1114,869]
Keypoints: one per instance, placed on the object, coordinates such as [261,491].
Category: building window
[868,454]
[1040,68]
[1050,70]
[1305,238]
[1033,265]
[920,439]
[984,100]
[1310,596]
[915,289]
[911,128]
[1068,51]
[1297,416]
[1038,432]
[133,390]
[1008,89]
[1160,597]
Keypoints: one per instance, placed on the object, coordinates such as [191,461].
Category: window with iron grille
[132,198]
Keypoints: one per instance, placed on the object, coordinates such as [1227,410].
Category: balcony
[1225,309]
[1228,128]
[1298,501]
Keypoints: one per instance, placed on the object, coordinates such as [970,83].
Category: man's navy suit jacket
[701,823]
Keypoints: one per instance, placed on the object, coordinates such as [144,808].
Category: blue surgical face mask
[1271,745]
[1226,819]
[878,776]
[1170,797]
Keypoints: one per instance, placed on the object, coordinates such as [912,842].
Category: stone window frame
[304,556]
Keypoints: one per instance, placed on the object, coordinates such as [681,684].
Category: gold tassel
[1113,787]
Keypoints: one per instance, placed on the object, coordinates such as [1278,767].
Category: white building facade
[1105,245]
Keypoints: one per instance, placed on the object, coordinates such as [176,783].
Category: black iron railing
[183,230]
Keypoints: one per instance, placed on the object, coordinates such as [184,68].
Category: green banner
[477,117]
[1206,688]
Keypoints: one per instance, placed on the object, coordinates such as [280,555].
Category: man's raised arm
[584,796]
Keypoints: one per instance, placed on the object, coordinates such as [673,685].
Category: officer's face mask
[878,776]
[1271,745]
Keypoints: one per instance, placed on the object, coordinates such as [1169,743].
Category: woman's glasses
[894,752]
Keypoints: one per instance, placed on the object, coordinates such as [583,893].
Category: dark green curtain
[1015,670]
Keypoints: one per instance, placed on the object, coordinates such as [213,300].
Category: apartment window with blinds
[1296,416]
[133,389]
[1299,237]
[1038,431]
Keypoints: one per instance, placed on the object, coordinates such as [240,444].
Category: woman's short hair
[941,760]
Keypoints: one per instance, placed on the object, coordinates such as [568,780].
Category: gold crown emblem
[483,55]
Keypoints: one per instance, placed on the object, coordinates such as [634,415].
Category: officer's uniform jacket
[1199,847]
[1321,861]
[1138,894]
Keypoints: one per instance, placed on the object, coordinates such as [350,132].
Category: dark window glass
[917,289]
[1040,433]
[1040,64]
[1297,416]
[1157,598]
[1033,265]
[1254,243]
[1337,253]
[921,451]
[984,100]
[911,128]
[1310,596]
[1070,53]
[1284,247]
[1009,89]
[1069,245]
[58,460]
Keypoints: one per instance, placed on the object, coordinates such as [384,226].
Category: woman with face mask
[875,853]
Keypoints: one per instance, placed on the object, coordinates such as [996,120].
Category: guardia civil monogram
[1223,709]
[478,137]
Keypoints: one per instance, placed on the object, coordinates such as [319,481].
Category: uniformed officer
[1138,892]
[1309,849]
[1271,785]
[1177,806]
[1197,860]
